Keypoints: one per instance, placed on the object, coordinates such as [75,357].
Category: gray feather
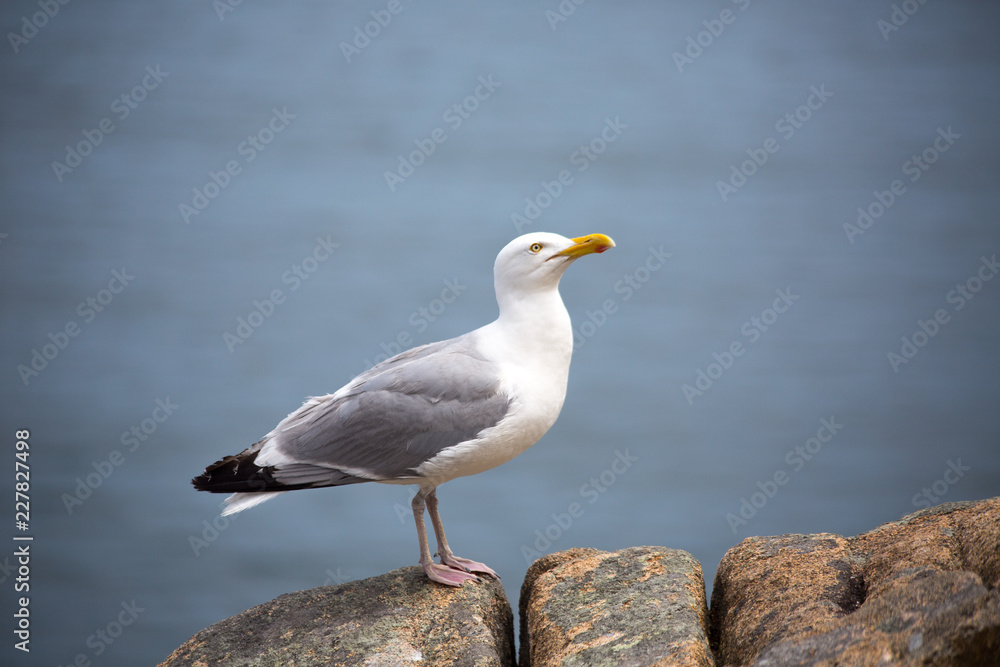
[396,416]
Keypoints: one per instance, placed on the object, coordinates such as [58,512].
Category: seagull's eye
[535,248]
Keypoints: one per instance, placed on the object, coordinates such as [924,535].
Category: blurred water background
[733,351]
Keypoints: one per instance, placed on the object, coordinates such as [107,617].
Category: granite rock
[637,606]
[919,591]
[397,618]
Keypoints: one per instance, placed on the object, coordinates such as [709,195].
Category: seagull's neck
[535,325]
[532,343]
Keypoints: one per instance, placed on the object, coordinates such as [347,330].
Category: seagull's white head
[535,262]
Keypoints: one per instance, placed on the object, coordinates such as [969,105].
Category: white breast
[535,378]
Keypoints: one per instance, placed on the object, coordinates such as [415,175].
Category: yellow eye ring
[535,248]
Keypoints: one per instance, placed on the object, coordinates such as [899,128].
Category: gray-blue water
[741,367]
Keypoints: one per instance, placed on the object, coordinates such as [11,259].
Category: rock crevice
[918,591]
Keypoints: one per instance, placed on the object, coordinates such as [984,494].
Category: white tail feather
[244,501]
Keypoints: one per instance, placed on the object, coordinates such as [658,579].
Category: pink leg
[443,574]
[444,551]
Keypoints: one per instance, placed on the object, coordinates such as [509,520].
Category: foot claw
[468,566]
[448,576]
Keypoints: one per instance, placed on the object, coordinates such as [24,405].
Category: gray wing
[393,417]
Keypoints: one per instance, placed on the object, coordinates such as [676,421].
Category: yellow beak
[585,245]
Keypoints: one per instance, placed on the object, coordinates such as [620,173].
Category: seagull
[432,413]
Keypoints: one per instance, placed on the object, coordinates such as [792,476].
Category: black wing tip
[240,474]
[203,482]
[236,474]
